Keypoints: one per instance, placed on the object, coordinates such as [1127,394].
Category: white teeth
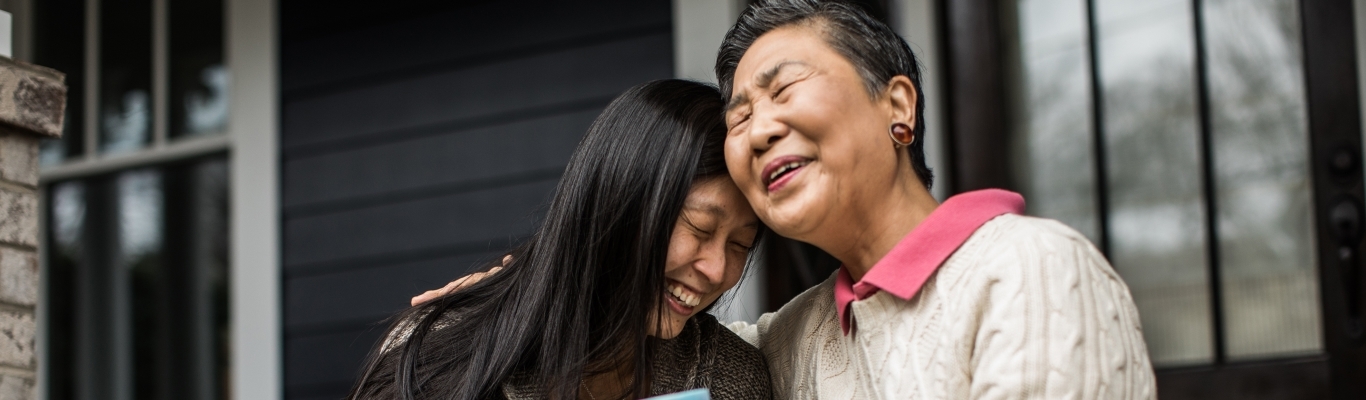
[783,169]
[683,296]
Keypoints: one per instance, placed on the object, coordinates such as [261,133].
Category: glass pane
[1157,217]
[196,277]
[138,274]
[59,43]
[86,293]
[125,76]
[139,224]
[199,80]
[1054,162]
[67,226]
[139,243]
[1260,142]
[211,262]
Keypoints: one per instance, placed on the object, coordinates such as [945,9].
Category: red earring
[901,134]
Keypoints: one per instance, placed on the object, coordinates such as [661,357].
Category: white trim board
[256,367]
[699,27]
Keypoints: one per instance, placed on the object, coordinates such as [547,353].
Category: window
[1189,123]
[137,263]
[136,197]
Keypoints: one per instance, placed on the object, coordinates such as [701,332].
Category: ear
[900,98]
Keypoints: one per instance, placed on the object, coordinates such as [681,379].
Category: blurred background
[245,189]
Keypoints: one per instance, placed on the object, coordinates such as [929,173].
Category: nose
[712,262]
[764,130]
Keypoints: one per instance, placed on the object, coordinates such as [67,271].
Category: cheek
[676,250]
[851,150]
[733,278]
[738,158]
[735,268]
[842,122]
[680,249]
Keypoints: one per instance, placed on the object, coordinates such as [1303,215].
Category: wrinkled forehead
[789,42]
[721,198]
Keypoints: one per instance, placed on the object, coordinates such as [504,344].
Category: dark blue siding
[423,138]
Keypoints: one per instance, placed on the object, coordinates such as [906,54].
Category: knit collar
[911,262]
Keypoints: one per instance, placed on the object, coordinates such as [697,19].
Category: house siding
[420,143]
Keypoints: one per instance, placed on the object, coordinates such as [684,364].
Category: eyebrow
[763,80]
[736,101]
[706,208]
[716,211]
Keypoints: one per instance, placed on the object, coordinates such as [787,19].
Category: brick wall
[31,102]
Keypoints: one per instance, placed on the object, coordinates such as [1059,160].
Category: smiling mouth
[683,295]
[780,171]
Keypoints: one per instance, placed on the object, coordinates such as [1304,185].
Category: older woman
[965,299]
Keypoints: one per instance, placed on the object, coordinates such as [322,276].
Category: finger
[433,294]
[455,285]
[459,283]
[424,297]
[471,279]
[506,259]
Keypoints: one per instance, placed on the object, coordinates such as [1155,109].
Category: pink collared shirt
[904,269]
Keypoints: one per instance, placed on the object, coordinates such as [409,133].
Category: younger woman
[605,300]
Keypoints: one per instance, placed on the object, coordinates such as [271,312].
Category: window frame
[250,143]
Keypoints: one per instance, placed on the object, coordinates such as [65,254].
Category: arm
[750,332]
[796,309]
[456,284]
[1059,322]
[746,330]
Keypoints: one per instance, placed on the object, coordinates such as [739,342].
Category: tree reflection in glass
[1260,142]
[198,76]
[1154,167]
[1155,179]
[1052,146]
[125,77]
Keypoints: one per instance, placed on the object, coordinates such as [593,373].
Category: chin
[670,332]
[791,222]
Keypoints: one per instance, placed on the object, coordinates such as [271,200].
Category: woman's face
[805,139]
[707,251]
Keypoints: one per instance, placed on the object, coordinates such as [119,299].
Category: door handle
[1347,227]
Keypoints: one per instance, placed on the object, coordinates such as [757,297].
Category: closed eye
[739,120]
[701,233]
[780,90]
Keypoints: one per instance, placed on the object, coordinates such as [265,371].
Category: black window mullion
[1098,131]
[1207,172]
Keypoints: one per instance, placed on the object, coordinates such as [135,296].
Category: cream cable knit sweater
[1026,308]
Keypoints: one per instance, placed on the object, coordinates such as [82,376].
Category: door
[1210,148]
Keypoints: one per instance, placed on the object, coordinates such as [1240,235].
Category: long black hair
[578,296]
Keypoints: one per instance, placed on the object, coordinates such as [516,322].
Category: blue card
[695,394]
